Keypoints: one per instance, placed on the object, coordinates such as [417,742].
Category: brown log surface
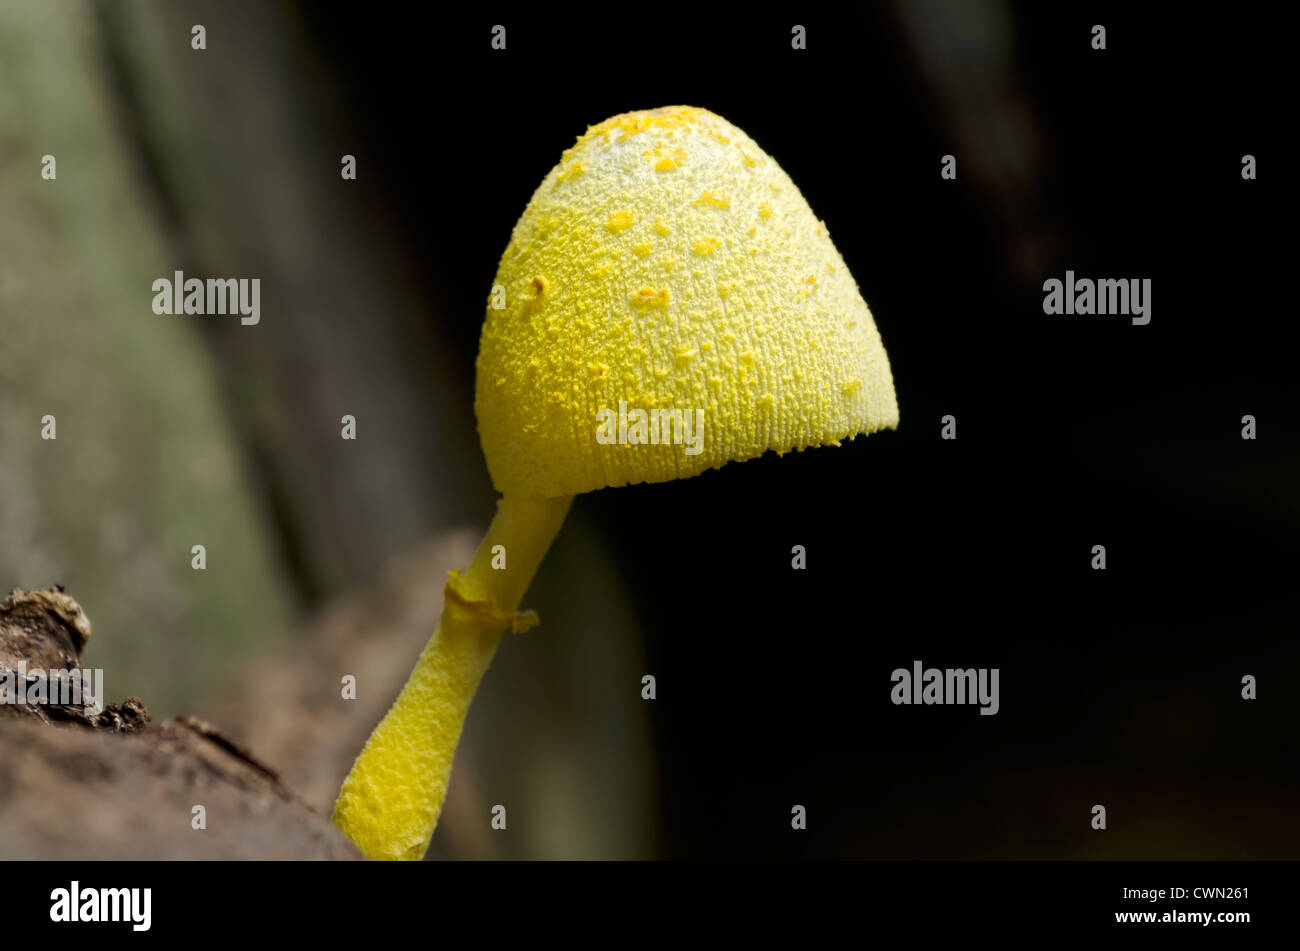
[76,784]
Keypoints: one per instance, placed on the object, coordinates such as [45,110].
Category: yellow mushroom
[666,262]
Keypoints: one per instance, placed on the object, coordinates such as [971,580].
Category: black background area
[1119,687]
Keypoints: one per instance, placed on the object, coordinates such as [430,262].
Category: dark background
[1119,687]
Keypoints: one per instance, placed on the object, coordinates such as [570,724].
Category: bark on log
[78,784]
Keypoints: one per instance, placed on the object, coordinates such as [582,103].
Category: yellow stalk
[390,801]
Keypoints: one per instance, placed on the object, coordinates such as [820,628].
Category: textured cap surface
[667,263]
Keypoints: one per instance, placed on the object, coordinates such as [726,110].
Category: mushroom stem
[390,801]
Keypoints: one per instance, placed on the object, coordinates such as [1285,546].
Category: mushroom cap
[668,263]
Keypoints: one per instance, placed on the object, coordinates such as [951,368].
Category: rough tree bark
[76,784]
